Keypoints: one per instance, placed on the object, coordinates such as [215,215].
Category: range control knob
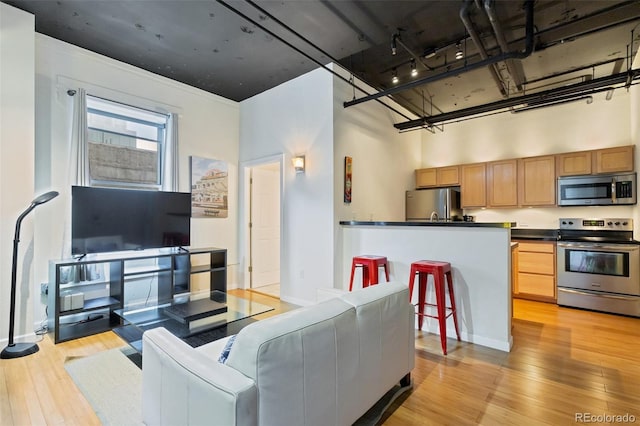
[570,223]
[609,223]
[617,223]
[625,223]
[564,222]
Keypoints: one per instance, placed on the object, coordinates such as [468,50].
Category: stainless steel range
[599,265]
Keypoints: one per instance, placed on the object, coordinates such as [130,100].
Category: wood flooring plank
[564,361]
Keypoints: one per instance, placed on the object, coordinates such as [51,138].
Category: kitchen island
[480,257]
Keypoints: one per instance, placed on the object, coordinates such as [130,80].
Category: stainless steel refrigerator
[438,204]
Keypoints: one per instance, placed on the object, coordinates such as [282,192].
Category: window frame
[161,141]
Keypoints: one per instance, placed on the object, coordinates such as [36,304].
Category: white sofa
[325,364]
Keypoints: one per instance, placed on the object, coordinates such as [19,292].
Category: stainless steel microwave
[598,190]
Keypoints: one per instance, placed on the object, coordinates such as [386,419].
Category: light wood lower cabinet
[536,271]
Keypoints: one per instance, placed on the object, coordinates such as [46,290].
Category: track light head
[459,53]
[414,70]
[394,78]
[394,45]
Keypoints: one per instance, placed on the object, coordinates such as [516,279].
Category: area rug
[111,383]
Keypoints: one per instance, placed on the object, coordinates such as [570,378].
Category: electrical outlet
[44,288]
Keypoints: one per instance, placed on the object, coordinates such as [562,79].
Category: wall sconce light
[298,163]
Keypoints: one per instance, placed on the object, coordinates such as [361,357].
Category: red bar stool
[370,265]
[439,270]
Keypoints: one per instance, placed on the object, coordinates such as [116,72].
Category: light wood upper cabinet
[502,183]
[537,181]
[438,176]
[473,185]
[573,163]
[425,178]
[613,160]
[448,176]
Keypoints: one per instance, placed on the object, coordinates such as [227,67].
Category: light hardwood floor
[564,361]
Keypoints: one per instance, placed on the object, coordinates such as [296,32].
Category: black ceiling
[238,49]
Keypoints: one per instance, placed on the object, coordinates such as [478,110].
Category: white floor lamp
[17,350]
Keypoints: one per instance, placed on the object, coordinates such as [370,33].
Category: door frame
[245,213]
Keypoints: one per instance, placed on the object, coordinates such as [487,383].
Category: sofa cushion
[305,360]
[385,324]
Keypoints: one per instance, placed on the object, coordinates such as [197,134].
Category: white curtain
[78,160]
[170,178]
[78,168]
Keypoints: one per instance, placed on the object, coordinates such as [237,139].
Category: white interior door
[265,225]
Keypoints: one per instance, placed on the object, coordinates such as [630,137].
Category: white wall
[208,127]
[306,116]
[383,166]
[571,127]
[296,118]
[384,160]
[16,164]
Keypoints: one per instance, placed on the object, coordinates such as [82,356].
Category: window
[125,144]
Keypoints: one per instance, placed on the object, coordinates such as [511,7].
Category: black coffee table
[196,319]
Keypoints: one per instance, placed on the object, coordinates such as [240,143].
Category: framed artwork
[347,179]
[209,188]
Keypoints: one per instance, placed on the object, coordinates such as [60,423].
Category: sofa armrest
[183,386]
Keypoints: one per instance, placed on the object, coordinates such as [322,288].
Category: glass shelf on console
[138,321]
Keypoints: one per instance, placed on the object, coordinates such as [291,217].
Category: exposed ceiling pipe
[549,96]
[465,17]
[468,67]
[502,42]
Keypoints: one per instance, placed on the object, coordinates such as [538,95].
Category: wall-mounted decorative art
[209,188]
[347,180]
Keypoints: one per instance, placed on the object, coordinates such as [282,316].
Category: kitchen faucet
[434,215]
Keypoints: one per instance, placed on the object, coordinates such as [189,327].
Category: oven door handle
[599,294]
[591,246]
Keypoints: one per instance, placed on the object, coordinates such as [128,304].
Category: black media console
[84,293]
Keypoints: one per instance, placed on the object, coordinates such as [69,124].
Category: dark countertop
[534,234]
[453,224]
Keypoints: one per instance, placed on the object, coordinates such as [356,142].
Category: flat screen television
[106,219]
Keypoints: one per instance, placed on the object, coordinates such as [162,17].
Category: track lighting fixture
[394,46]
[414,70]
[459,53]
[394,78]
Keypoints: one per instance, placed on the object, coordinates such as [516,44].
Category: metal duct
[502,42]
[495,59]
[465,17]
